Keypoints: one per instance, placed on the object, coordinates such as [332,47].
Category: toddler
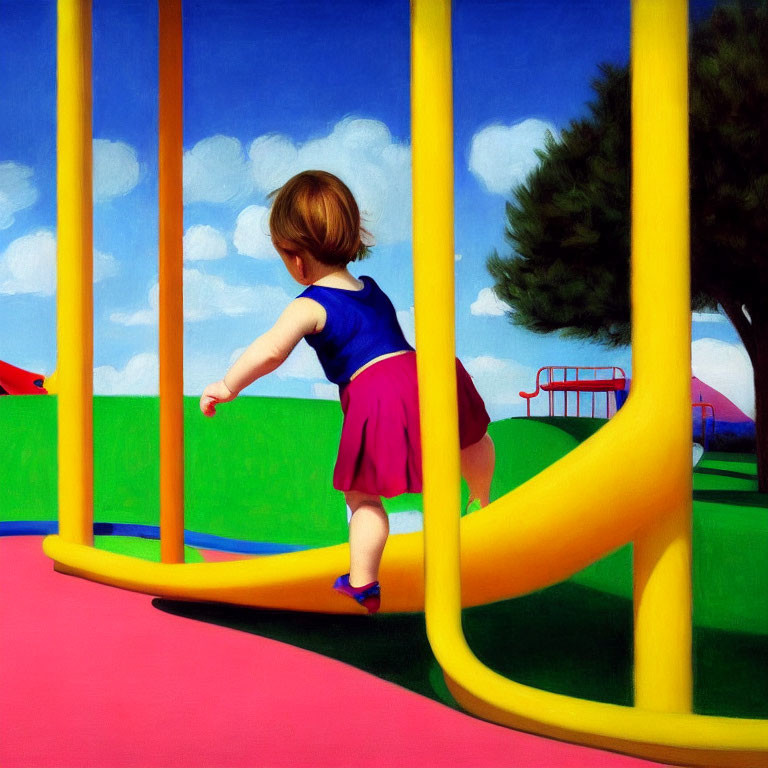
[352,325]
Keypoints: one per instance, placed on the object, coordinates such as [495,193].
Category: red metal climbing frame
[575,378]
[704,407]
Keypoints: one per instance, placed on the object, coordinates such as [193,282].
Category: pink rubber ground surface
[96,677]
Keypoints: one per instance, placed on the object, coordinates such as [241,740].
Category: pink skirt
[380,448]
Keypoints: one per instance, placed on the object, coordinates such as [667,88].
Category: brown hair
[314,211]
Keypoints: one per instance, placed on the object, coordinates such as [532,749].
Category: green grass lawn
[730,549]
[261,470]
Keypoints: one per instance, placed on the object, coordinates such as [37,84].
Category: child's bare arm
[268,352]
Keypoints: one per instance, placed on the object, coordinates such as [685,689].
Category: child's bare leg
[368,531]
[477,464]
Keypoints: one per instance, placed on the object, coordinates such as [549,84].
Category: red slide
[17,381]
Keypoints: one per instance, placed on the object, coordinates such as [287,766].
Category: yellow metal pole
[75,271]
[171,230]
[432,173]
[661,353]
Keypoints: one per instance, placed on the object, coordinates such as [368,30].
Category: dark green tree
[569,223]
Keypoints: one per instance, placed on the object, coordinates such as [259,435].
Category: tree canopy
[568,224]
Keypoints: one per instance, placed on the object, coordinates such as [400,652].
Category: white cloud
[507,378]
[407,320]
[363,154]
[708,317]
[501,156]
[202,369]
[139,377]
[302,363]
[252,233]
[104,266]
[204,243]
[233,357]
[216,171]
[140,317]
[274,159]
[28,265]
[488,303]
[16,191]
[325,391]
[728,369]
[457,257]
[115,169]
[206,296]
[500,381]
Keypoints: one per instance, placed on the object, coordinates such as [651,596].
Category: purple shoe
[369,596]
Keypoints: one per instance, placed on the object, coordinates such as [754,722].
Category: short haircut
[314,211]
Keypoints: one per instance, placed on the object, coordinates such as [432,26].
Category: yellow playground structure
[565,518]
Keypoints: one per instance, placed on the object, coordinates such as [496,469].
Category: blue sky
[271,87]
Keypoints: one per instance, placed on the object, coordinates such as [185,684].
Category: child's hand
[213,394]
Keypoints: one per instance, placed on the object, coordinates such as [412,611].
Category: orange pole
[171,232]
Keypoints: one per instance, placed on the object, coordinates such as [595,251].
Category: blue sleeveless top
[360,326]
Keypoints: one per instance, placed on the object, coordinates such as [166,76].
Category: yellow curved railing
[660,726]
[566,517]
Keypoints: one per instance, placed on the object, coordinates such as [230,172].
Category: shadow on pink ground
[95,677]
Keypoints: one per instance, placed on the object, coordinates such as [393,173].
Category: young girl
[352,325]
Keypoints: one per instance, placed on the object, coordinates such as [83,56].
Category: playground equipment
[551,527]
[704,431]
[555,378]
[17,381]
[557,381]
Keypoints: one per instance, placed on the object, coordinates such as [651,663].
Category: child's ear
[301,266]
